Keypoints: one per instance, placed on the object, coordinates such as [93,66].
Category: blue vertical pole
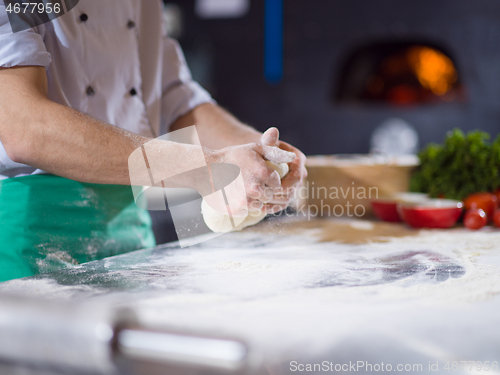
[273,40]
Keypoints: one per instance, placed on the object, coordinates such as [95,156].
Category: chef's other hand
[292,180]
[261,182]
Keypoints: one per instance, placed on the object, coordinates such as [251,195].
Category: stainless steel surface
[87,338]
[60,334]
[176,349]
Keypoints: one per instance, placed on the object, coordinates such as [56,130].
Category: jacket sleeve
[180,94]
[22,48]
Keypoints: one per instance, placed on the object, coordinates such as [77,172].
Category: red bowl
[433,213]
[386,209]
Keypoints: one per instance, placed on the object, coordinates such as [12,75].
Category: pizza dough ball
[281,168]
[221,223]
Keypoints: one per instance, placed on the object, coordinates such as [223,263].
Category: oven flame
[401,74]
[434,70]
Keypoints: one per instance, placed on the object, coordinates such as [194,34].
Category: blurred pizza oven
[399,73]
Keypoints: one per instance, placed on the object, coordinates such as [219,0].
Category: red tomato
[496,218]
[497,193]
[475,219]
[484,201]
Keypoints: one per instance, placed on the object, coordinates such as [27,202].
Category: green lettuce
[464,164]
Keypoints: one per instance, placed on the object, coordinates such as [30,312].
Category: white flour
[433,296]
[272,297]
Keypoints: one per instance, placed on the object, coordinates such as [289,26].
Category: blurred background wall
[334,54]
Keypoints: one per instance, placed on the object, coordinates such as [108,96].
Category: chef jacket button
[133,91]
[90,91]
[84,17]
[130,24]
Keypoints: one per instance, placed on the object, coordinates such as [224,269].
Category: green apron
[49,222]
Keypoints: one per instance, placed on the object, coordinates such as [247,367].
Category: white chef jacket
[110,59]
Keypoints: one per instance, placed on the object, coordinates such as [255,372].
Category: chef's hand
[294,178]
[262,183]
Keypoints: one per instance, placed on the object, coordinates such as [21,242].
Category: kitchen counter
[325,292]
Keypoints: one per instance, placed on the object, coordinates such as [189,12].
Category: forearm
[76,146]
[67,143]
[46,135]
[216,127]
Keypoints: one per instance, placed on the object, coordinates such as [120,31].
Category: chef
[77,96]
